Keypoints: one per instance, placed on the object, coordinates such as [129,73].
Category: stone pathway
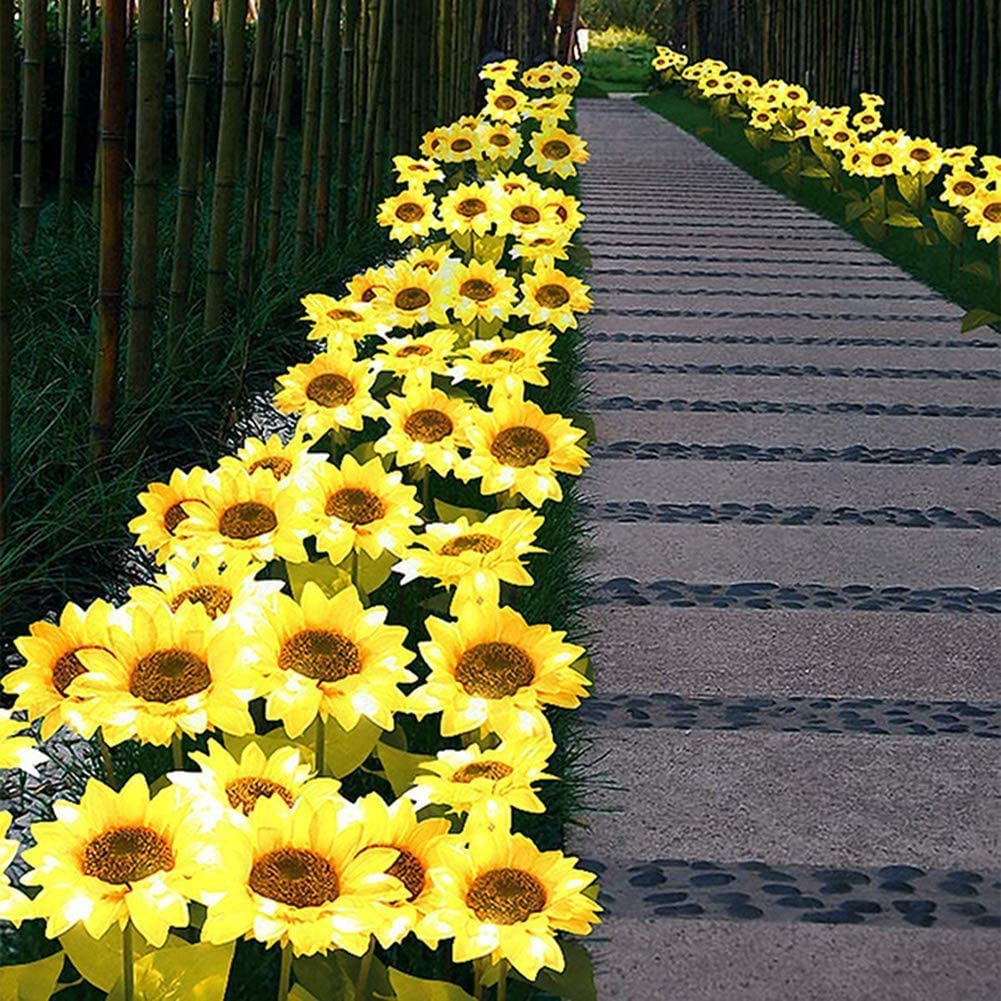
[796,539]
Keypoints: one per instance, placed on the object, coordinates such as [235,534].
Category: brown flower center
[344,314]
[409,212]
[494,670]
[552,296]
[841,136]
[477,289]
[505,102]
[506,896]
[471,207]
[413,349]
[412,298]
[408,869]
[430,265]
[519,447]
[993,212]
[882,159]
[461,145]
[244,793]
[476,542]
[215,599]
[175,514]
[501,139]
[868,119]
[126,855]
[321,655]
[355,505]
[428,426]
[502,354]
[964,188]
[168,675]
[493,770]
[527,215]
[555,149]
[247,520]
[68,667]
[295,876]
[330,390]
[920,154]
[280,466]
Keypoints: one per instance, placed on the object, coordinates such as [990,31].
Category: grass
[937,266]
[618,59]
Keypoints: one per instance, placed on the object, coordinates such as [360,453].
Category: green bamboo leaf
[978,318]
[949,226]
[401,766]
[33,981]
[579,256]
[818,147]
[925,237]
[408,988]
[197,972]
[904,220]
[910,189]
[980,269]
[576,982]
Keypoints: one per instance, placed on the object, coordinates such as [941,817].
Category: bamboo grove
[271,121]
[937,63]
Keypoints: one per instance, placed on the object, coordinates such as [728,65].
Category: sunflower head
[342,322]
[417,295]
[421,355]
[469,208]
[165,507]
[411,213]
[521,356]
[556,151]
[551,297]
[417,173]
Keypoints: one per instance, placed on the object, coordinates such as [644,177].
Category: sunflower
[15,907]
[244,514]
[361,508]
[329,392]
[369,285]
[871,100]
[50,651]
[474,557]
[342,322]
[499,896]
[922,156]
[421,356]
[227,588]
[165,506]
[552,298]
[487,783]
[300,876]
[416,296]
[556,151]
[984,212]
[566,207]
[292,459]
[505,104]
[164,674]
[227,789]
[468,208]
[539,77]
[418,844]
[500,141]
[330,657]
[549,242]
[500,72]
[505,183]
[880,160]
[491,361]
[840,138]
[867,120]
[763,118]
[525,210]
[567,78]
[459,143]
[991,166]
[433,141]
[490,668]
[409,214]
[117,857]
[483,292]
[518,447]
[435,259]
[426,426]
[17,749]
[414,172]
[960,156]
[959,188]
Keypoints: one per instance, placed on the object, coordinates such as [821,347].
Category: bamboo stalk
[32,93]
[178,18]
[285,89]
[145,217]
[344,119]
[71,107]
[310,129]
[374,164]
[113,113]
[227,166]
[7,127]
[192,144]
[328,117]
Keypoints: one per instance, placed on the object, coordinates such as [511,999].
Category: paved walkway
[796,533]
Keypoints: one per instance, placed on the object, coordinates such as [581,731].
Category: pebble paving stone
[795,730]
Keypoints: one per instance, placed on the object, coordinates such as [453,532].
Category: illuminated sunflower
[475,557]
[959,188]
[17,749]
[880,160]
[764,119]
[549,242]
[415,296]
[525,211]
[330,657]
[116,857]
[959,157]
[369,285]
[539,77]
[362,508]
[421,356]
[922,156]
[15,907]
[226,587]
[292,459]
[433,142]
[418,844]
[299,876]
[500,141]
[227,789]
[518,447]
[50,651]
[164,508]
[984,213]
[867,120]
[244,514]
[491,361]
[567,78]
[505,104]
[468,208]
[992,168]
[871,100]
[566,207]
[492,670]
[840,138]
[499,896]
[459,143]
[550,110]
[426,426]
[329,392]
[501,71]
[434,259]
[342,322]
[552,298]
[411,171]
[165,674]
[483,292]
[487,783]
[556,151]
[409,214]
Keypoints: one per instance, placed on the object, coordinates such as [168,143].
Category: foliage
[618,59]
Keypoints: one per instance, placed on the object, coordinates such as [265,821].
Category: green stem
[177,748]
[426,492]
[363,971]
[128,963]
[106,760]
[502,981]
[285,976]
[999,275]
[354,567]
[478,979]
[321,745]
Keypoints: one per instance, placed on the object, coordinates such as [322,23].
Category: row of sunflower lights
[258,639]
[887,178]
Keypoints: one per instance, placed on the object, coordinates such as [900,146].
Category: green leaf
[949,226]
[323,977]
[408,988]
[910,189]
[904,220]
[269,742]
[299,993]
[32,981]
[187,972]
[875,230]
[761,141]
[978,318]
[980,269]
[449,512]
[346,750]
[401,766]
[586,423]
[372,574]
[776,163]
[438,603]
[330,579]
[926,237]
[490,248]
[815,172]
[99,960]
[576,982]
[818,147]
[584,666]
[579,256]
